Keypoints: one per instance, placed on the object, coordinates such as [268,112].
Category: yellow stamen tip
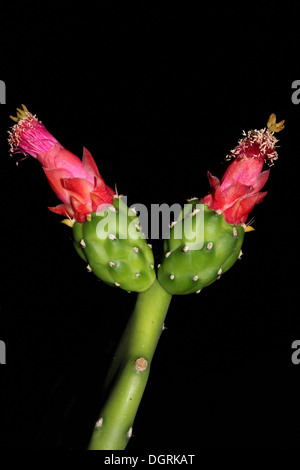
[25,108]
[21,113]
[274,126]
[68,222]
[248,228]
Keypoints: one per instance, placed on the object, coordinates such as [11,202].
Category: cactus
[108,237]
[185,269]
[119,256]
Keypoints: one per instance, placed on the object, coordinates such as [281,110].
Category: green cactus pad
[115,248]
[185,269]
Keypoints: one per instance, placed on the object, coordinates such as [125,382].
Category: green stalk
[130,369]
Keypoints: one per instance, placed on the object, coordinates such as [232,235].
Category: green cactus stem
[128,375]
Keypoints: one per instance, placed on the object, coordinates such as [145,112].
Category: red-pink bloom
[77,183]
[239,189]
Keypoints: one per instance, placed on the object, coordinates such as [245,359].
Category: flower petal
[78,187]
[89,163]
[261,180]
[239,211]
[81,210]
[236,191]
[213,180]
[247,204]
[55,177]
[101,196]
[245,171]
[63,209]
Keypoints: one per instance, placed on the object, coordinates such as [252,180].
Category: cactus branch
[128,375]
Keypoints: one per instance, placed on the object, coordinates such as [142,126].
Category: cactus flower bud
[226,208]
[77,183]
[239,189]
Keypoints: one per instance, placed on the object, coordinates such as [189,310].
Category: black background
[159,96]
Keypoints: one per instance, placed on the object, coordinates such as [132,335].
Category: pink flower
[239,189]
[77,183]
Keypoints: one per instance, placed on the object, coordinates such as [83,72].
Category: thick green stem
[130,368]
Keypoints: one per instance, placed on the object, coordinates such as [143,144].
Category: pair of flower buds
[81,189]
[129,263]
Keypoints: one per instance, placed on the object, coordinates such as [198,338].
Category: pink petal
[234,192]
[247,204]
[245,171]
[55,177]
[59,157]
[218,199]
[213,180]
[238,212]
[81,210]
[63,209]
[89,163]
[101,197]
[78,187]
[261,180]
[110,191]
